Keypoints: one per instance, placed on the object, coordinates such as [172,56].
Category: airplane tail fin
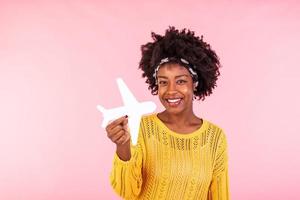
[103,110]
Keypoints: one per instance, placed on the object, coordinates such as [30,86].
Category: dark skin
[175,82]
[175,91]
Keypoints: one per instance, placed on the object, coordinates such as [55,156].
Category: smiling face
[175,88]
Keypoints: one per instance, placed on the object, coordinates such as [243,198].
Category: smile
[174,102]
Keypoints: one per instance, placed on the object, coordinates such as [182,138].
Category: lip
[172,102]
[172,97]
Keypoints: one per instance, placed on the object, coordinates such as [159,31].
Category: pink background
[59,59]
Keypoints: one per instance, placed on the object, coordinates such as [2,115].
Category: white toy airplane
[132,108]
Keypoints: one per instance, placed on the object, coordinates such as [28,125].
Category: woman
[178,155]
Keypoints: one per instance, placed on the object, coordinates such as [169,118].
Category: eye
[181,82]
[162,82]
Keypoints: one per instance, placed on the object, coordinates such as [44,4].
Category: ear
[195,85]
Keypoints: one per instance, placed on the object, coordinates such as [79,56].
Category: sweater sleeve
[126,176]
[219,188]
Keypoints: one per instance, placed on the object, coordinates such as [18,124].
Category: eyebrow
[175,76]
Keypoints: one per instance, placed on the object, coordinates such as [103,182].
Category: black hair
[181,44]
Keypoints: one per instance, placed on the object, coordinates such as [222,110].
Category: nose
[171,87]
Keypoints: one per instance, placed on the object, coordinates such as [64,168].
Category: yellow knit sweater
[169,165]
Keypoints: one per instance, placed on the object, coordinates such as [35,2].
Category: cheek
[161,90]
[160,93]
[186,90]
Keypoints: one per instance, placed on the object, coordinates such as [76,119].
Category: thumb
[126,126]
[125,121]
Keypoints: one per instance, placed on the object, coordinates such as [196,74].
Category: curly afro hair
[181,44]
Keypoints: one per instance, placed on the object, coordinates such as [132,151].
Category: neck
[179,119]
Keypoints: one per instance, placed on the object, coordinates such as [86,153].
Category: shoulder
[213,127]
[216,133]
[148,117]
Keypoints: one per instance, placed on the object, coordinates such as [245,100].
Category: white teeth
[173,100]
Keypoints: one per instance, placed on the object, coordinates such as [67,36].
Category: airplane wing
[126,94]
[132,108]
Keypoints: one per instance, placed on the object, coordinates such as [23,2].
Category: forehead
[172,69]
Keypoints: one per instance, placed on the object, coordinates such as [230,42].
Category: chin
[174,111]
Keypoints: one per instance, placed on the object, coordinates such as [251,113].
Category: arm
[219,188]
[126,173]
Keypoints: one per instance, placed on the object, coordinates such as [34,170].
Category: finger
[127,138]
[123,125]
[127,129]
[123,139]
[125,121]
[117,136]
[116,122]
[114,130]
